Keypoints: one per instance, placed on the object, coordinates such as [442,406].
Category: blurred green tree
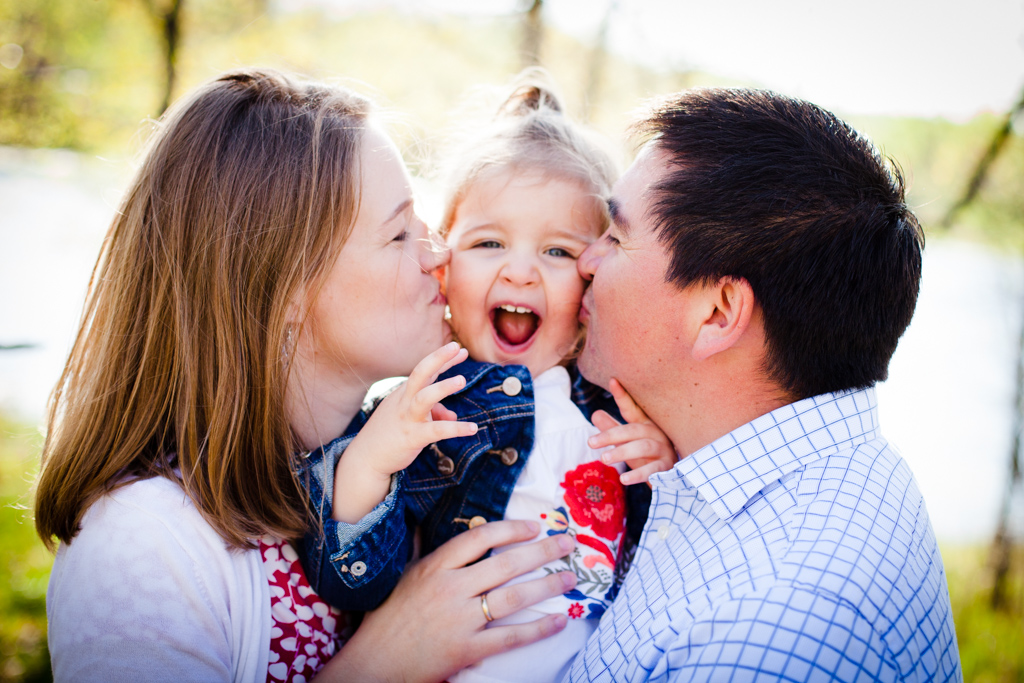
[81,74]
[47,47]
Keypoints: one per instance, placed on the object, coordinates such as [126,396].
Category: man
[760,268]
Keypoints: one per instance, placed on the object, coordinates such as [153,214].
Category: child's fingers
[427,370]
[603,420]
[631,412]
[462,355]
[430,395]
[632,450]
[643,474]
[439,412]
[445,429]
[622,433]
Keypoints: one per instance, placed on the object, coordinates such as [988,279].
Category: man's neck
[703,408]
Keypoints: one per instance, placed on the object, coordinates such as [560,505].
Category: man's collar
[731,470]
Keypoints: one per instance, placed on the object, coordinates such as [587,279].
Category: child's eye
[559,252]
[488,244]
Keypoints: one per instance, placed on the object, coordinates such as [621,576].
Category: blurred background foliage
[90,72]
[87,74]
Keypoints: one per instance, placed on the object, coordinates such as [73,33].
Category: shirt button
[358,568]
[509,456]
[476,521]
[511,386]
[445,465]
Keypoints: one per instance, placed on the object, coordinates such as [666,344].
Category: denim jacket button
[509,456]
[511,386]
[445,465]
[357,568]
[476,521]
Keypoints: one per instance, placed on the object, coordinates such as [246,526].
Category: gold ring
[483,606]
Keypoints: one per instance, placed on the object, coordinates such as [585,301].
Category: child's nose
[520,270]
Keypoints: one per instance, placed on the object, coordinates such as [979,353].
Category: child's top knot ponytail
[532,91]
[530,132]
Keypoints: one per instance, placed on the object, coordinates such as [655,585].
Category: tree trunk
[533,35]
[985,163]
[595,73]
[168,21]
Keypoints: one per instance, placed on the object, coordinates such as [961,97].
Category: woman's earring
[288,346]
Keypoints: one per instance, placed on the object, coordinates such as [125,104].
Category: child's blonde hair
[530,131]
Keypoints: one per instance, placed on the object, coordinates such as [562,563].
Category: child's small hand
[406,422]
[639,443]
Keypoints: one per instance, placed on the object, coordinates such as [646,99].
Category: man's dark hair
[784,194]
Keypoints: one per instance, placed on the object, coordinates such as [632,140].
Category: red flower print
[595,498]
[575,610]
[598,546]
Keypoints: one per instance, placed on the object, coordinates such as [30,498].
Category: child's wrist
[357,490]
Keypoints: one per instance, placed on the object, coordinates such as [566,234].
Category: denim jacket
[451,485]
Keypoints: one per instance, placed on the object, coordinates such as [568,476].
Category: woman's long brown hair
[242,203]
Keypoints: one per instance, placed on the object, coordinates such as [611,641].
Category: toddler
[506,432]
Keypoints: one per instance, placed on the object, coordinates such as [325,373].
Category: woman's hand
[639,443]
[407,421]
[433,624]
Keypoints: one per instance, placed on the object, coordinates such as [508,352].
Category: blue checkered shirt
[795,548]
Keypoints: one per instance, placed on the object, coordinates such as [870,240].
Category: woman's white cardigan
[147,591]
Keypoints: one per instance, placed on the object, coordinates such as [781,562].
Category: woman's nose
[434,254]
[591,257]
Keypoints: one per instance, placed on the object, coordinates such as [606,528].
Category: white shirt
[560,445]
[148,591]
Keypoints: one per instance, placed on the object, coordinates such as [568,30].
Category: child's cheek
[442,276]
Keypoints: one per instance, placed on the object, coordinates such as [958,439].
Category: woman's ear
[732,306]
[298,306]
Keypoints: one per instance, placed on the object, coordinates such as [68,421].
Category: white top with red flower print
[306,631]
[566,488]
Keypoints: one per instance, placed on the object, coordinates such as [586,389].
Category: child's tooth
[514,309]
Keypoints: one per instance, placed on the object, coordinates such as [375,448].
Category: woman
[265,267]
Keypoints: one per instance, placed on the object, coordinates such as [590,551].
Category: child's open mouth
[514,325]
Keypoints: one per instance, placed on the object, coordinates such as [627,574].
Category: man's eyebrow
[398,211]
[615,212]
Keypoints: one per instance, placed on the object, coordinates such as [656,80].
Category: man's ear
[731,302]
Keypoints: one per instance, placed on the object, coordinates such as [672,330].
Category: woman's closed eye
[401,237]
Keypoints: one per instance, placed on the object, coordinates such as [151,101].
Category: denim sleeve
[352,566]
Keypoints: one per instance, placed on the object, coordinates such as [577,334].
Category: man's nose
[591,257]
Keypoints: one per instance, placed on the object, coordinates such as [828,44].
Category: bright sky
[949,58]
